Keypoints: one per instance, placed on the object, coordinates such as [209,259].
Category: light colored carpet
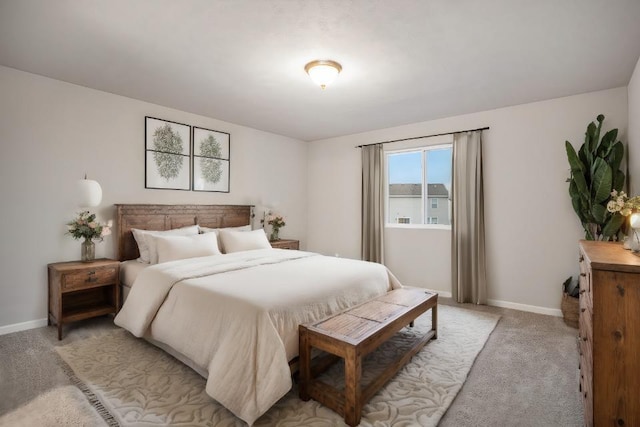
[143,386]
[61,406]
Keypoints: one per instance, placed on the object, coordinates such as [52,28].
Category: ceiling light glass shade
[89,193]
[323,72]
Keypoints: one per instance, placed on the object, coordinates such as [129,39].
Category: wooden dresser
[609,336]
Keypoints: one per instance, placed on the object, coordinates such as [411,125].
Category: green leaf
[618,181]
[596,135]
[577,170]
[576,200]
[601,182]
[608,140]
[599,213]
[616,155]
[574,162]
[585,155]
[589,137]
[612,227]
[587,232]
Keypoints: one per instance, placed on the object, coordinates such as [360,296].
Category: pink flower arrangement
[85,226]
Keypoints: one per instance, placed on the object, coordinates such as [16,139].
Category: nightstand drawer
[285,244]
[88,278]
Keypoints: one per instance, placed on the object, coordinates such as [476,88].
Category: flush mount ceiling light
[323,72]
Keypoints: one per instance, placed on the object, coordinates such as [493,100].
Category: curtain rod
[424,136]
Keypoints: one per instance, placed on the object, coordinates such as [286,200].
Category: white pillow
[171,248]
[217,232]
[236,241]
[147,246]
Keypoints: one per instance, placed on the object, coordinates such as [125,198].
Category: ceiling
[404,61]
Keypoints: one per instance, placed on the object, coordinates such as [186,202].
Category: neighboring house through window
[418,185]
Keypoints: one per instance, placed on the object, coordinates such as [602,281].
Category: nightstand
[81,290]
[285,244]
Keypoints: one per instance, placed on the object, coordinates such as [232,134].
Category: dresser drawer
[586,291]
[88,278]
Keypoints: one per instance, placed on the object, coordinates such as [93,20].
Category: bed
[234,317]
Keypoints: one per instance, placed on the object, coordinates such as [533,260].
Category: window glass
[405,187]
[419,185]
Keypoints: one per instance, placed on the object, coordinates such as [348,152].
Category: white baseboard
[525,307]
[443,294]
[17,327]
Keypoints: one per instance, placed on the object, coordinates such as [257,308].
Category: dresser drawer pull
[583,274]
[583,291]
[583,310]
[91,272]
[91,280]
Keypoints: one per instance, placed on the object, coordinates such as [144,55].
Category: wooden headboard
[167,217]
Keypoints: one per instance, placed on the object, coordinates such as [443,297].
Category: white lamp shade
[89,193]
[634,221]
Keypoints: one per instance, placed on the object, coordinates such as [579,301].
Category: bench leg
[352,389]
[434,321]
[305,366]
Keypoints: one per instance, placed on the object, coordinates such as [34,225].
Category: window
[419,185]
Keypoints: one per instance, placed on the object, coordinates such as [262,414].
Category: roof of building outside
[434,190]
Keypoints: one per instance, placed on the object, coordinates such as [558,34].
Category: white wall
[53,132]
[532,231]
[633,92]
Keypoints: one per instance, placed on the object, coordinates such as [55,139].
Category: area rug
[141,385]
[61,406]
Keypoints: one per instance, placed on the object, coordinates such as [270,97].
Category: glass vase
[274,235]
[87,250]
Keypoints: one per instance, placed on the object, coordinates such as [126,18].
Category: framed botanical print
[211,160]
[167,154]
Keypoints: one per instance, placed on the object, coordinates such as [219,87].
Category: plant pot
[570,307]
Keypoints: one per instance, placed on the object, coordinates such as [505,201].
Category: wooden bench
[351,335]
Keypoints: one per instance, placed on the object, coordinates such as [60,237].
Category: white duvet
[236,316]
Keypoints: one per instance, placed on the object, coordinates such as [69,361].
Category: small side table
[285,244]
[82,290]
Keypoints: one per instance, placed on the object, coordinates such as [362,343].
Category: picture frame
[211,162]
[167,154]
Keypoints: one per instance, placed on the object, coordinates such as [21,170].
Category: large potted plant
[595,173]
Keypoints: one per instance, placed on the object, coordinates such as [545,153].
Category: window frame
[422,149]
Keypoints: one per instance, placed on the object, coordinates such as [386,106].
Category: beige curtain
[372,203]
[468,267]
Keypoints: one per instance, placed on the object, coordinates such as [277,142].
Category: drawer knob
[584,338]
[583,291]
[91,272]
[583,310]
[583,274]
